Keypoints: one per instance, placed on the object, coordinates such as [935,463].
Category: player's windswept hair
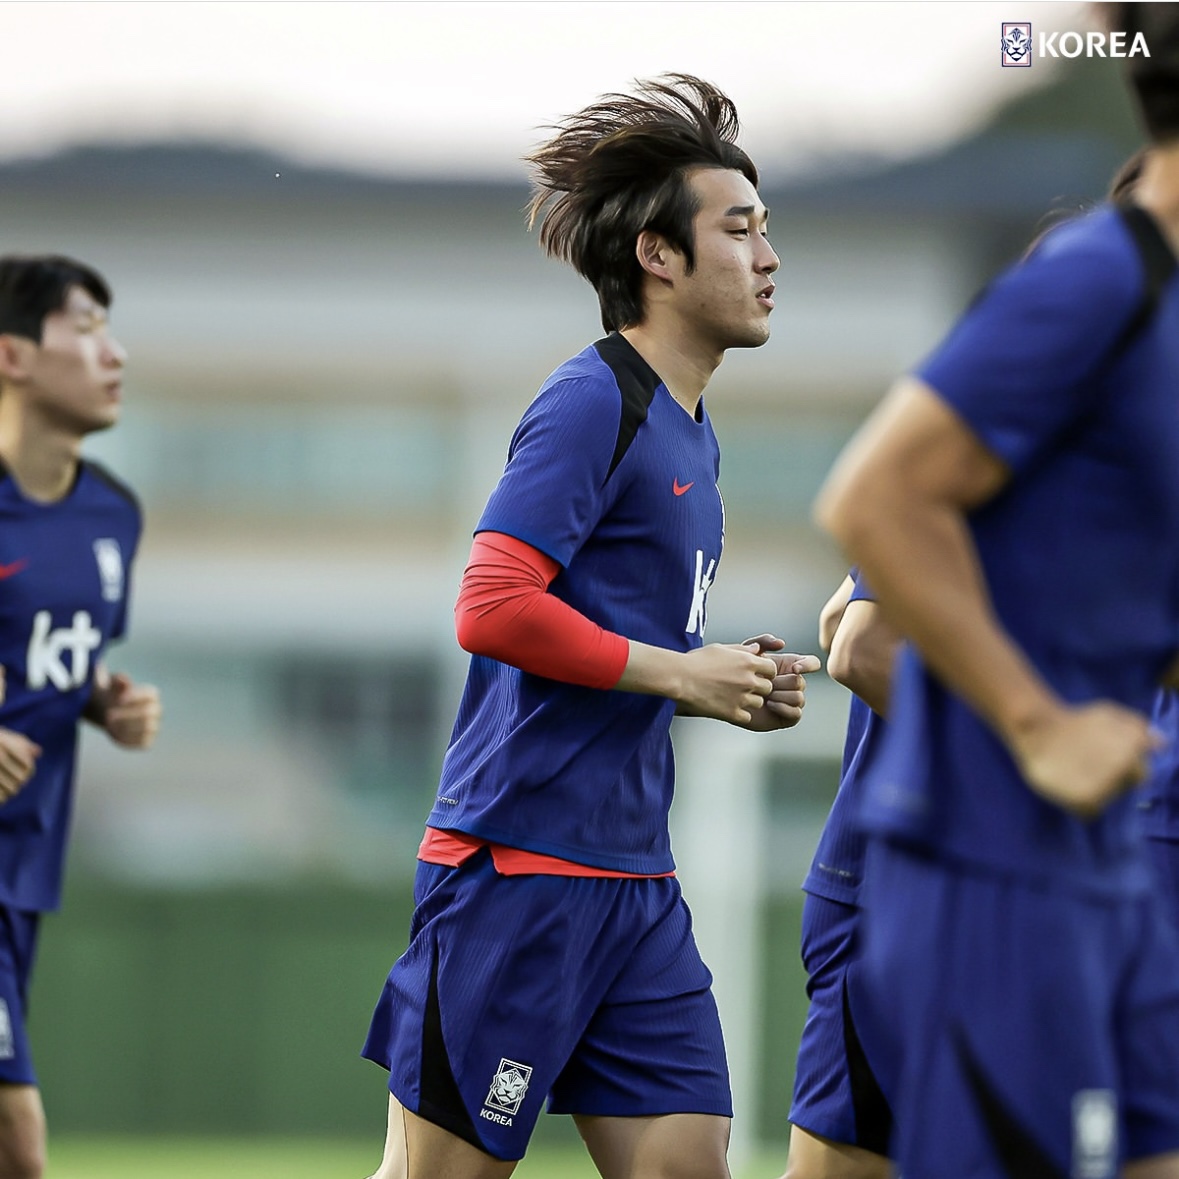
[34,286]
[621,166]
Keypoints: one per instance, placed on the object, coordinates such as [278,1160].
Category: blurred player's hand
[1082,758]
[18,760]
[131,712]
[725,681]
[782,708]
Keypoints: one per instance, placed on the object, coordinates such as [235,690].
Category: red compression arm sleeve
[504,611]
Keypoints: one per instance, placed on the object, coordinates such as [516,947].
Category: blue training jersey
[613,479]
[838,865]
[1159,798]
[64,572]
[1086,417]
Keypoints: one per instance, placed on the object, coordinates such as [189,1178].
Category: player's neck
[43,463]
[1158,190]
[682,364]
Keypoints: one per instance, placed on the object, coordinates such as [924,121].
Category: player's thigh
[994,1078]
[22,1131]
[653,1045]
[415,1147]
[813,1157]
[671,1146]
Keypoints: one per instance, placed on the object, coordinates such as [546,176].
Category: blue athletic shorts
[587,990]
[18,947]
[1034,1031]
[1164,858]
[836,1093]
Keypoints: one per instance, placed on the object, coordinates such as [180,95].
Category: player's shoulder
[589,383]
[1099,254]
[107,484]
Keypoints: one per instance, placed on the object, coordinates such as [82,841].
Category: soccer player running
[841,1122]
[68,534]
[551,952]
[1021,968]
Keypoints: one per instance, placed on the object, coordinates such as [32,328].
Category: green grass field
[262,1158]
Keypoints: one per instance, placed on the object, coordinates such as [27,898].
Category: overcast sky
[465,87]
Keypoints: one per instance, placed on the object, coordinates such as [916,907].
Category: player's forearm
[653,671]
[864,666]
[921,561]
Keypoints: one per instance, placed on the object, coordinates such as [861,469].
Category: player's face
[728,296]
[76,375]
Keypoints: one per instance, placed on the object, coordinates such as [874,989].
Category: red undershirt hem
[452,848]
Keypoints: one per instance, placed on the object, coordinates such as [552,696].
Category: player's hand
[131,712]
[1083,757]
[783,707]
[726,681]
[18,760]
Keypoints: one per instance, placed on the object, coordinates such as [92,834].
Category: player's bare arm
[128,712]
[725,681]
[897,502]
[863,648]
[832,611]
[18,760]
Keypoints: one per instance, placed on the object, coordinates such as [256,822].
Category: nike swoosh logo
[17,566]
[679,488]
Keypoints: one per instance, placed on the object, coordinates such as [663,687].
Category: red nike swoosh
[678,488]
[17,566]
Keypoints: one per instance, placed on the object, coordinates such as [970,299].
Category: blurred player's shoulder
[106,478]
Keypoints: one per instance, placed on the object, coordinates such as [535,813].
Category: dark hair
[1154,80]
[1125,179]
[32,287]
[621,166]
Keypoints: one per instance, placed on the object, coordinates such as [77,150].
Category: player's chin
[752,335]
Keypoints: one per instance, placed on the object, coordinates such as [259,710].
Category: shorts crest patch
[508,1086]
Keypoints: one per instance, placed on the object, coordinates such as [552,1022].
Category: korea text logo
[1017,43]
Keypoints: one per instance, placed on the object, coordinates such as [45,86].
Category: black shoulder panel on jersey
[113,482]
[1158,259]
[637,382]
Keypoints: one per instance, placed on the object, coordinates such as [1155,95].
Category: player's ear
[16,353]
[654,254]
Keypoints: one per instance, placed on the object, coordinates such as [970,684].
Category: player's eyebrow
[740,210]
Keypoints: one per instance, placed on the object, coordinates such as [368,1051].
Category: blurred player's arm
[18,756]
[129,713]
[863,648]
[897,501]
[505,612]
[832,611]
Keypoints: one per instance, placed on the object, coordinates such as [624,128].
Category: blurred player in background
[551,952]
[68,534]
[841,1123]
[1020,969]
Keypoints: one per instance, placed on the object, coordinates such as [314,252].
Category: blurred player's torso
[1080,551]
[63,590]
